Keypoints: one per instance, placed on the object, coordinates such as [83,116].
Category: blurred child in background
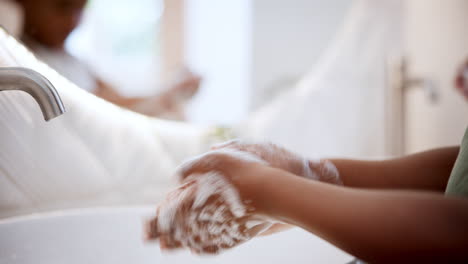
[48,23]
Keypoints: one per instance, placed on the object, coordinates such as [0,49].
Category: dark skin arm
[377,226]
[429,170]
[106,92]
[167,101]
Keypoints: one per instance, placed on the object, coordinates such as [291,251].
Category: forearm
[106,92]
[126,102]
[152,105]
[428,170]
[377,226]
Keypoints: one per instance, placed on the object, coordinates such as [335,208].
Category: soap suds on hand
[206,214]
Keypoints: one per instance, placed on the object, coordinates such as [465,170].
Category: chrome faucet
[33,83]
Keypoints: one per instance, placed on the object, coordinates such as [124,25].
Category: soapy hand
[281,158]
[215,208]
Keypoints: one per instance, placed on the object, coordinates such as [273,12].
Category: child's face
[51,21]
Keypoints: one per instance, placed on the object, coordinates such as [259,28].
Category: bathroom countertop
[115,235]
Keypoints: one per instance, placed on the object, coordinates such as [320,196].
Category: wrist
[309,170]
[322,170]
[267,191]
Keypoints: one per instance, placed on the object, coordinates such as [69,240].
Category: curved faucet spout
[33,83]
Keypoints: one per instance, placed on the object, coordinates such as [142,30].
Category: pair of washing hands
[209,214]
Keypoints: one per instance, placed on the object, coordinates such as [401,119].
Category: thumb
[151,229]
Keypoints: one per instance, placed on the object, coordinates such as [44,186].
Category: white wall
[218,41]
[288,37]
[243,47]
[119,42]
[436,44]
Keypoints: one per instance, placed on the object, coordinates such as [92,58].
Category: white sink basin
[114,235]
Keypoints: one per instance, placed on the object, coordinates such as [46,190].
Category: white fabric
[338,108]
[96,154]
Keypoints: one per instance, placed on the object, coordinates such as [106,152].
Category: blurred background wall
[287,39]
[436,43]
[248,51]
